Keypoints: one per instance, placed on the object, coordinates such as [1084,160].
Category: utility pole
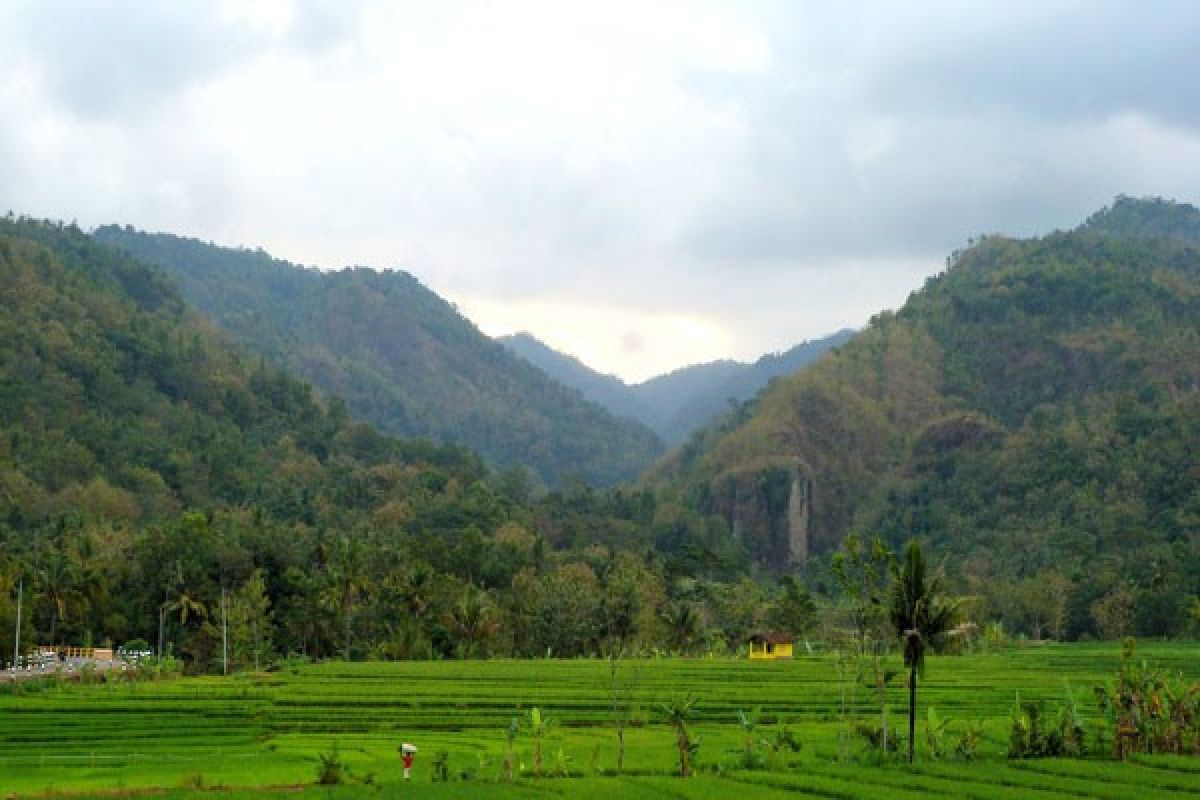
[224,634]
[17,646]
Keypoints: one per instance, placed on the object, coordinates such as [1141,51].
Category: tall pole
[224,635]
[17,646]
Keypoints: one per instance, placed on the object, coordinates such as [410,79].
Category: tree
[861,571]
[471,622]
[188,606]
[250,621]
[677,713]
[57,581]
[922,616]
[1113,612]
[683,625]
[348,582]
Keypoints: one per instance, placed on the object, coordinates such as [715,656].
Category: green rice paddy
[254,736]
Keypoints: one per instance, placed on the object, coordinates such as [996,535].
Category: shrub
[1150,711]
[441,766]
[330,769]
[1036,734]
[935,733]
[874,734]
[966,746]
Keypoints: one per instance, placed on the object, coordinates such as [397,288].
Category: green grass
[255,732]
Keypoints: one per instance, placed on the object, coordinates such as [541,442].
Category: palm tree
[187,604]
[349,581]
[922,616]
[471,621]
[677,713]
[58,579]
[683,625]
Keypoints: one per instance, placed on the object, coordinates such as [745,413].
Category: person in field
[407,751]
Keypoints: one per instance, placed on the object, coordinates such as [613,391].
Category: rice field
[255,736]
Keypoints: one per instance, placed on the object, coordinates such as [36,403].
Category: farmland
[252,733]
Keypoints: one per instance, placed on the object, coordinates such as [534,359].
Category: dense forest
[1033,413]
[676,404]
[149,467]
[401,357]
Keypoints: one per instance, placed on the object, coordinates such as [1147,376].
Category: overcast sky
[641,184]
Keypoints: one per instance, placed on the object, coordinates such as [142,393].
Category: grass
[251,733]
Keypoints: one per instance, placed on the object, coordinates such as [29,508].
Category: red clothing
[408,759]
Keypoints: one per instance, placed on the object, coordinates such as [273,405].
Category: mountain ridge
[676,403]
[1032,410]
[401,356]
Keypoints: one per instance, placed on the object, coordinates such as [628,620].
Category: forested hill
[675,404]
[148,464]
[1035,409]
[118,404]
[402,358]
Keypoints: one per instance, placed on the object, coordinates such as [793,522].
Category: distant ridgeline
[676,404]
[1036,405]
[401,357]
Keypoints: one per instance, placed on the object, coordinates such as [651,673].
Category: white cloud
[707,179]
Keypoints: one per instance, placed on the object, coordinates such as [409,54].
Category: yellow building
[770,645]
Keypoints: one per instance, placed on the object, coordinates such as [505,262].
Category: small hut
[770,645]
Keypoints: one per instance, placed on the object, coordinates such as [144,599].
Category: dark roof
[773,637]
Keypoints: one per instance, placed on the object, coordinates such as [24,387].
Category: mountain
[401,357]
[158,480]
[1033,410]
[675,404]
[694,396]
[119,403]
[607,391]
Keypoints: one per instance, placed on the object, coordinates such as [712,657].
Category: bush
[1036,734]
[441,766]
[935,733]
[874,734]
[1149,710]
[967,745]
[330,769]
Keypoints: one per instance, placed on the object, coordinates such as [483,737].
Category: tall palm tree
[187,604]
[58,582]
[471,621]
[921,616]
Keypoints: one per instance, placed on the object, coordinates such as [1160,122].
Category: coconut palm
[471,621]
[58,581]
[921,616]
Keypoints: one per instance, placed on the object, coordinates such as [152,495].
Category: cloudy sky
[643,184]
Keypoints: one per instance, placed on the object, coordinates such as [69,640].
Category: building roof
[772,637]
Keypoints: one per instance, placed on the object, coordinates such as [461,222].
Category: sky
[643,185]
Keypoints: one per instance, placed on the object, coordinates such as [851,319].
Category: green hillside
[115,399]
[144,459]
[1033,412]
[402,357]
